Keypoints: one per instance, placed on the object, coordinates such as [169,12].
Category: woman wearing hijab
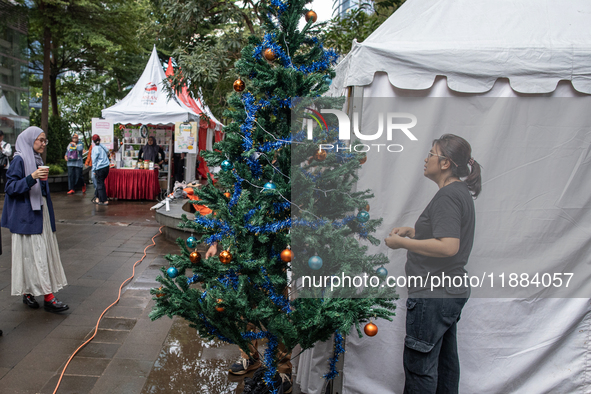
[28,213]
[152,152]
[100,169]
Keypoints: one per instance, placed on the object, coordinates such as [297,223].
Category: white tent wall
[505,345]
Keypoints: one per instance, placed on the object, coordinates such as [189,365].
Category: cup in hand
[44,168]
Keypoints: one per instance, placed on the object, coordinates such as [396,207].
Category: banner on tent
[185,137]
[104,128]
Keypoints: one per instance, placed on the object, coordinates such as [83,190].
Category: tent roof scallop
[148,101]
[533,43]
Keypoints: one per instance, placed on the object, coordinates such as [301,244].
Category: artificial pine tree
[275,190]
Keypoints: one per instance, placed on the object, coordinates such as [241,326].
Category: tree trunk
[53,94]
[46,71]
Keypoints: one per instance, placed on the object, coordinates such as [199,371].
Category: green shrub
[57,169]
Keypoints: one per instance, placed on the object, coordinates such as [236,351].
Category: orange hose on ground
[105,311]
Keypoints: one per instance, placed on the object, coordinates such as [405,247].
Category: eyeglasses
[431,154]
[443,157]
[43,141]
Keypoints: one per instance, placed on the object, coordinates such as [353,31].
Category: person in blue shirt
[75,165]
[100,168]
[28,214]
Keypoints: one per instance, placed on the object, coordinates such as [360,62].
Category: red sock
[49,297]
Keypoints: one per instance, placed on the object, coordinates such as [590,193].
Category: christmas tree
[277,190]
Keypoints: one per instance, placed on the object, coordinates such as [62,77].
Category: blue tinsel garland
[338,350]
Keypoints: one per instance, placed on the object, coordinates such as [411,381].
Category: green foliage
[253,225]
[59,136]
[205,38]
[358,24]
[58,169]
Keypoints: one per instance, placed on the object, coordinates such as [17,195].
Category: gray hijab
[32,159]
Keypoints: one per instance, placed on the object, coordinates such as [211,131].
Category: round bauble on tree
[366,208]
[160,293]
[370,329]
[172,272]
[315,262]
[219,308]
[382,272]
[227,195]
[191,242]
[311,15]
[286,255]
[320,155]
[269,187]
[225,257]
[239,85]
[269,54]
[363,160]
[195,257]
[226,165]
[363,216]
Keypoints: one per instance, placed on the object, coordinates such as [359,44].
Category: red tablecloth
[132,184]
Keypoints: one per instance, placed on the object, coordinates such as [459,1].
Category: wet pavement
[130,354]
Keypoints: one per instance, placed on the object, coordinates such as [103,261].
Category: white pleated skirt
[36,264]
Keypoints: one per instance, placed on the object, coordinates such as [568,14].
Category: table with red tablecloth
[132,184]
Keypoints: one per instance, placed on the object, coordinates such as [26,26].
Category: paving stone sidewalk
[130,354]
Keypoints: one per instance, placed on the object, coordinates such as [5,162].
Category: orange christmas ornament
[160,293]
[269,54]
[239,85]
[320,155]
[311,15]
[363,160]
[227,195]
[286,255]
[367,208]
[195,257]
[225,257]
[370,329]
[219,308]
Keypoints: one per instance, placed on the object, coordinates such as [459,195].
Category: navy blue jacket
[17,214]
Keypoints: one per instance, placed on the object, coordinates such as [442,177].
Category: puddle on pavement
[189,364]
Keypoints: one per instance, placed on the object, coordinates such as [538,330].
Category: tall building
[341,7]
[14,72]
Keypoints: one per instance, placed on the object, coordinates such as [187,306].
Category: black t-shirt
[450,214]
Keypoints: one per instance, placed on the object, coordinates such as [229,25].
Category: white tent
[490,72]
[149,102]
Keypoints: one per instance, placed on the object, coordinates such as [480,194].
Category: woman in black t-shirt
[439,244]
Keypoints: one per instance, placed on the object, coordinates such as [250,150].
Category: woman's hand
[395,241]
[403,232]
[40,173]
[212,251]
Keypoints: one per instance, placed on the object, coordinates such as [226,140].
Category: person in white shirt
[5,153]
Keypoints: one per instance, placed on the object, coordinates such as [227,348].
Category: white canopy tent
[148,102]
[503,62]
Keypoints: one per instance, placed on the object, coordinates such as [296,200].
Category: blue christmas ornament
[269,186]
[363,216]
[315,262]
[382,272]
[226,165]
[191,242]
[172,272]
[328,80]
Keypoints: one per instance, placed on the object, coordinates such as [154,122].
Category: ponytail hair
[459,151]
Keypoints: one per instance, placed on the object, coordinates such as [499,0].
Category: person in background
[100,169]
[441,241]
[152,152]
[179,167]
[73,156]
[5,153]
[28,213]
